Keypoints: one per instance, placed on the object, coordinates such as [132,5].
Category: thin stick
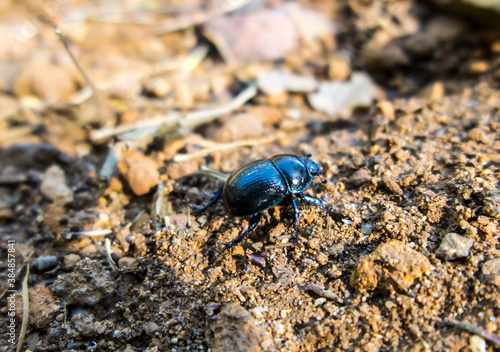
[57,30]
[202,116]
[26,310]
[189,120]
[226,146]
[485,334]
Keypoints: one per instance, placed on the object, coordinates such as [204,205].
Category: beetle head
[313,167]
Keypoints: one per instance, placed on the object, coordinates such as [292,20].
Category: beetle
[263,184]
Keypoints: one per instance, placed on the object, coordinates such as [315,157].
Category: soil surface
[99,176]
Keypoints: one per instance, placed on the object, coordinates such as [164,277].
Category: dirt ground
[398,101]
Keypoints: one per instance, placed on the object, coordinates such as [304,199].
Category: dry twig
[26,310]
[189,120]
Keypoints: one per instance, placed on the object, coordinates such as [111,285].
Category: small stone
[386,108]
[319,301]
[301,84]
[257,260]
[381,52]
[388,216]
[45,263]
[421,44]
[12,174]
[335,97]
[238,251]
[491,271]
[492,204]
[495,47]
[434,91]
[151,327]
[477,344]
[479,66]
[273,82]
[84,323]
[140,171]
[491,326]
[115,185]
[478,134]
[367,228]
[126,262]
[339,68]
[392,186]
[389,304]
[453,246]
[415,330]
[277,82]
[6,214]
[54,186]
[322,259]
[359,177]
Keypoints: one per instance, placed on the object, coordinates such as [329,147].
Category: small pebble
[126,262]
[453,246]
[319,301]
[70,260]
[238,251]
[140,171]
[45,263]
[257,260]
[54,186]
[322,258]
[339,68]
[477,344]
[478,67]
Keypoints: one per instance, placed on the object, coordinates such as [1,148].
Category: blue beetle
[265,183]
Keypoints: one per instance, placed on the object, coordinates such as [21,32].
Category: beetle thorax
[293,171]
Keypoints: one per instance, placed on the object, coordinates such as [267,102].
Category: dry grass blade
[111,262]
[26,310]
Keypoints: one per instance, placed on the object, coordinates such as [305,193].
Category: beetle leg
[254,220]
[296,219]
[214,200]
[316,201]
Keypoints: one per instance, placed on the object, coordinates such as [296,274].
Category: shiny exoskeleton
[264,183]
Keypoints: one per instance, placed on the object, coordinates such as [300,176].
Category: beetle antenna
[323,180]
